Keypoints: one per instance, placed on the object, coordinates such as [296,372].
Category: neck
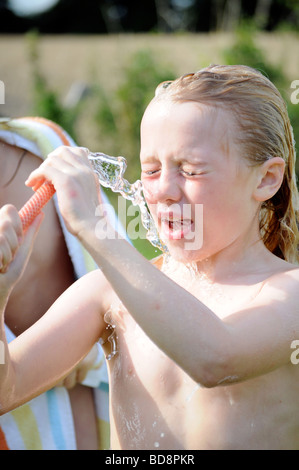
[243,257]
[235,261]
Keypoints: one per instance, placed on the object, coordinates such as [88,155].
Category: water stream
[110,171]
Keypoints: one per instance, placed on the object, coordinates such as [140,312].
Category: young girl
[198,342]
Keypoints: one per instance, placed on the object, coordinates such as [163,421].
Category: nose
[168,189]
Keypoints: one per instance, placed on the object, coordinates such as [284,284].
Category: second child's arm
[45,353]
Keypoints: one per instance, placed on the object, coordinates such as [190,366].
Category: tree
[262,13]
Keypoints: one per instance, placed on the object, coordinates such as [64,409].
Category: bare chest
[150,394]
[157,405]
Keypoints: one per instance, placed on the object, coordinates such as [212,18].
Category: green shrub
[45,101]
[119,113]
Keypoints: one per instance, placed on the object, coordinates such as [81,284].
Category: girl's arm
[211,351]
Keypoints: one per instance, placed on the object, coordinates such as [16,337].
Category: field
[65,60]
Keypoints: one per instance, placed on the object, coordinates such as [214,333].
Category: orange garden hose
[35,204]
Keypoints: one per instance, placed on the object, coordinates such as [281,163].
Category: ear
[270,177]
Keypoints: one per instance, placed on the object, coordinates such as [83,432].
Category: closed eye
[191,173]
[149,172]
[188,173]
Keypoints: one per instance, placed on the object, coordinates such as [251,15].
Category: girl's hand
[15,246]
[77,187]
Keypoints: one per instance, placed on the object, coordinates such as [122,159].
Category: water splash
[110,171]
[113,341]
[112,338]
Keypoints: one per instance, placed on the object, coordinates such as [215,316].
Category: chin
[185,256]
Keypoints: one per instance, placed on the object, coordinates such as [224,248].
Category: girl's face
[196,183]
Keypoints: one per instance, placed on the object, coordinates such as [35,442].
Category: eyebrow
[151,159]
[196,162]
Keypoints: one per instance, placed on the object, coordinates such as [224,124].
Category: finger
[63,158]
[76,156]
[46,171]
[71,158]
[12,243]
[9,245]
[65,150]
[9,216]
[10,235]
[5,253]
[42,173]
[26,247]
[35,181]
[9,238]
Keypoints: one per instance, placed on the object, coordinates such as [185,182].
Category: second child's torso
[48,274]
[49,271]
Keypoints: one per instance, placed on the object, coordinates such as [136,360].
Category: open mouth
[175,228]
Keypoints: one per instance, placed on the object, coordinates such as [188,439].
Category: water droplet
[157,444]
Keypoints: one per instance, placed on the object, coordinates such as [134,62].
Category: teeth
[176,223]
[172,219]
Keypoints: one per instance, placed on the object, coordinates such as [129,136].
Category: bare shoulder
[7,159]
[15,167]
[283,286]
[287,277]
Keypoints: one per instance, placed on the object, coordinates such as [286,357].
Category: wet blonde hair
[265,132]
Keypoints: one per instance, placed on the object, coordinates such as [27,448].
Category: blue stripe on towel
[55,421]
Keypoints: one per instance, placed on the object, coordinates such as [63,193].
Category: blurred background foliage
[117,114]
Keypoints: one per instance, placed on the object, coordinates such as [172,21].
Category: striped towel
[46,422]
[41,136]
